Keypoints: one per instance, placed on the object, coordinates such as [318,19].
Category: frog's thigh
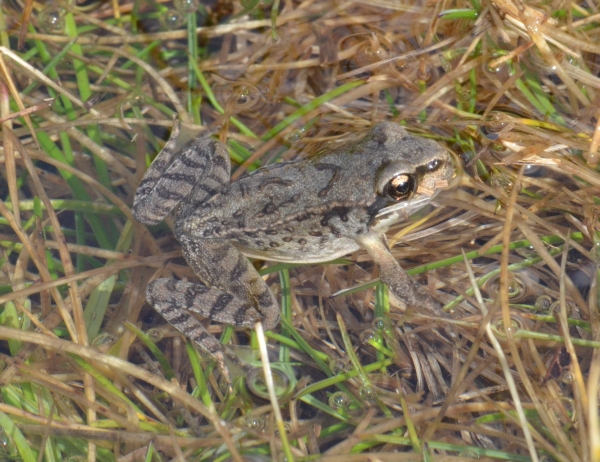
[233,293]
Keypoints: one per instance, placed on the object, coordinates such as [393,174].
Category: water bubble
[569,407]
[512,330]
[156,335]
[380,324]
[499,148]
[543,303]
[595,253]
[136,101]
[367,392]
[426,73]
[8,449]
[255,381]
[468,454]
[103,339]
[500,180]
[503,331]
[515,288]
[186,6]
[295,136]
[495,122]
[257,423]
[527,252]
[52,19]
[555,309]
[567,377]
[374,49]
[445,63]
[172,19]
[368,336]
[339,401]
[493,67]
[239,97]
[534,170]
[339,366]
[463,95]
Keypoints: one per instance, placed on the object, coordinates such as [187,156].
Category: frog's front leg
[400,283]
[232,292]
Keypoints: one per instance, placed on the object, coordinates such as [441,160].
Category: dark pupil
[401,187]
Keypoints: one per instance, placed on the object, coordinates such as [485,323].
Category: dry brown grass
[90,371]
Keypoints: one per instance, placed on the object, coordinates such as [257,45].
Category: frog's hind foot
[176,301]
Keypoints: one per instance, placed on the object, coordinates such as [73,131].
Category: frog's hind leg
[172,300]
[238,295]
[176,172]
[232,292]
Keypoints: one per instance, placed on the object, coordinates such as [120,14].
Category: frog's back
[308,210]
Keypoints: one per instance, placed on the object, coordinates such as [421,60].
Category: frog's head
[413,172]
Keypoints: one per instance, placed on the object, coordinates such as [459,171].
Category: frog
[311,210]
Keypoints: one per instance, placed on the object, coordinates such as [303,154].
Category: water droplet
[186,6]
[339,401]
[52,19]
[172,19]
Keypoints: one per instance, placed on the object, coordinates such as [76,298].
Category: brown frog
[304,211]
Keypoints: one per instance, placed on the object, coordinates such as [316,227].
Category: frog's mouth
[399,212]
[405,209]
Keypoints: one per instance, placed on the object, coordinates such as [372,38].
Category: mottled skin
[311,210]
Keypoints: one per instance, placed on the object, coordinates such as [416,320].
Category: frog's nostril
[434,165]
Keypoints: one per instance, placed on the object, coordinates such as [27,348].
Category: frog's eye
[433,165]
[401,186]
